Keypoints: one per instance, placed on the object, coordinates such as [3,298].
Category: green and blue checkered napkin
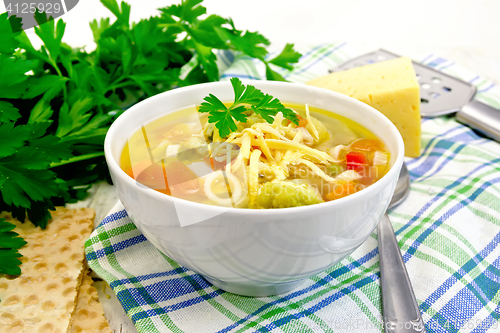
[448,230]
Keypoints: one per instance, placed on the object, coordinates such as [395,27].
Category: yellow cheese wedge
[391,87]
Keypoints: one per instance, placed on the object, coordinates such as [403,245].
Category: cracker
[89,314]
[42,299]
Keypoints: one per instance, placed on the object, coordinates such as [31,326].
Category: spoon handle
[401,311]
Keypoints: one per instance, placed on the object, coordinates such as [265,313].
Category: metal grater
[442,94]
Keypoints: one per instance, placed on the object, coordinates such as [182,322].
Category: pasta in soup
[261,165]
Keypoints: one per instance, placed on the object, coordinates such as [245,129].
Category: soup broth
[278,165]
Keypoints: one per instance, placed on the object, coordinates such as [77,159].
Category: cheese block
[391,87]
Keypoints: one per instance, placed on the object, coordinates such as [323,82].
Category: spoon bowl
[402,187]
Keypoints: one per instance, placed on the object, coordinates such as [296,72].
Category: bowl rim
[113,164]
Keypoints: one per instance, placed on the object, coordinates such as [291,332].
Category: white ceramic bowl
[245,251]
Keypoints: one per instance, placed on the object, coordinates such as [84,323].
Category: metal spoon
[401,311]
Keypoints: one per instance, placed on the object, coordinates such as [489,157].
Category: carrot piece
[164,191]
[367,145]
[214,164]
[177,173]
[302,121]
[183,182]
[368,175]
[138,168]
[152,176]
[340,191]
[186,189]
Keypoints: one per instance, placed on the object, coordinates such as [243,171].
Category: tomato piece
[356,158]
[367,145]
[356,161]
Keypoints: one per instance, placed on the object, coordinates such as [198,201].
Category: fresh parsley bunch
[57,102]
[51,127]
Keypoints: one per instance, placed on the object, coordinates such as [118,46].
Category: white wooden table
[462,30]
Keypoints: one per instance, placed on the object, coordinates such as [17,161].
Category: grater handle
[482,118]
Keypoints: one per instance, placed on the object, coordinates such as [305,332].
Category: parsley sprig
[246,97]
[215,32]
[10,243]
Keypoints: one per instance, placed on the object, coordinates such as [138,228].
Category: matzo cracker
[89,314]
[42,299]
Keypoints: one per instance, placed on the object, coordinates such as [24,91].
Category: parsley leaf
[287,57]
[10,42]
[245,98]
[51,34]
[11,138]
[122,14]
[10,243]
[8,112]
[24,177]
[188,10]
[13,81]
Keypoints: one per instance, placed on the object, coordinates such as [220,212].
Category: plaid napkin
[448,230]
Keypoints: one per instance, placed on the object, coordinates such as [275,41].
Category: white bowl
[245,251]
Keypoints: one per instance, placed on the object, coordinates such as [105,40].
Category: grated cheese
[245,145]
[308,151]
[310,124]
[253,176]
[314,168]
